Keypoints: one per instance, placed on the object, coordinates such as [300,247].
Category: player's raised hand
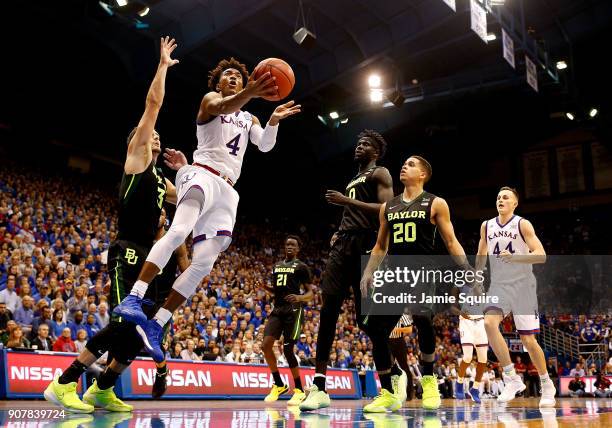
[166,48]
[174,159]
[283,111]
[264,86]
[336,198]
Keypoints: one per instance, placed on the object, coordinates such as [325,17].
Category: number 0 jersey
[506,237]
[222,142]
[287,277]
[363,188]
[410,229]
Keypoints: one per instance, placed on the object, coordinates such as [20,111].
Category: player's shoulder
[381,173]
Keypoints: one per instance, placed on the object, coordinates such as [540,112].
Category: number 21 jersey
[222,142]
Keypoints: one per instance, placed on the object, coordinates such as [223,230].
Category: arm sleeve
[265,139]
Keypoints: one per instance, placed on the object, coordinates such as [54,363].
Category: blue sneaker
[152,335]
[130,309]
[474,394]
[459,394]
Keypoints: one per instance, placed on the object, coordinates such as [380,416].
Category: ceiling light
[344,121]
[569,115]
[561,65]
[593,112]
[122,3]
[374,81]
[334,115]
[490,37]
[144,12]
[376,95]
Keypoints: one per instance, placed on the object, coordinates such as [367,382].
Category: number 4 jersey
[222,142]
[507,237]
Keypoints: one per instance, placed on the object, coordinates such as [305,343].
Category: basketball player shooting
[512,247]
[207,200]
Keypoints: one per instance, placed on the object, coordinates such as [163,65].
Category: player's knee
[177,233]
[491,324]
[268,343]
[529,341]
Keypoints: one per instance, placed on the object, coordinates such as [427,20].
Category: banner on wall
[219,380]
[508,48]
[564,382]
[532,73]
[536,175]
[27,374]
[570,169]
[478,20]
[602,166]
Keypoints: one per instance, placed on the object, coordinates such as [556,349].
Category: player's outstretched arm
[377,255]
[215,104]
[139,149]
[441,215]
[536,255]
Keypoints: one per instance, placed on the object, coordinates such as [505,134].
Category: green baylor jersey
[287,277]
[141,198]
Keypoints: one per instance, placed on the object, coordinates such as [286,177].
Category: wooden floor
[575,413]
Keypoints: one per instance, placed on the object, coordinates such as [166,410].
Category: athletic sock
[139,289]
[162,316]
[297,382]
[72,373]
[385,381]
[319,381]
[476,385]
[278,381]
[108,378]
[459,380]
[509,370]
[544,378]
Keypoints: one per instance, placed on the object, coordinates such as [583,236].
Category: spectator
[189,354]
[58,324]
[43,319]
[589,334]
[577,387]
[17,339]
[76,325]
[81,341]
[9,296]
[577,371]
[91,326]
[5,316]
[602,387]
[234,355]
[77,303]
[551,368]
[520,367]
[42,342]
[248,355]
[24,316]
[532,379]
[102,317]
[176,351]
[64,343]
[567,369]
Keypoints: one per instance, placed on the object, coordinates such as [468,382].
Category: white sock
[509,370]
[139,289]
[476,385]
[162,316]
[544,378]
[459,380]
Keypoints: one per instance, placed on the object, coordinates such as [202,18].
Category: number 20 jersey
[506,237]
[222,142]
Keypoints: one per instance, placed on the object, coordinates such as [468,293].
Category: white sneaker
[512,386]
[548,394]
[400,383]
[315,399]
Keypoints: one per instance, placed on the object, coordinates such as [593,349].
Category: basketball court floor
[575,413]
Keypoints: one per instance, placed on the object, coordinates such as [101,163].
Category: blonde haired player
[512,247]
[207,200]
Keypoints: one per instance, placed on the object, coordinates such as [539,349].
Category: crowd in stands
[55,231]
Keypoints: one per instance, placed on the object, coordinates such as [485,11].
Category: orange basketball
[285,79]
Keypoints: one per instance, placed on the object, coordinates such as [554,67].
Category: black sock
[108,378]
[277,379]
[162,371]
[297,382]
[427,368]
[385,381]
[72,373]
[395,370]
[319,381]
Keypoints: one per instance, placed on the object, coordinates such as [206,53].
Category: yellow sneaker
[66,397]
[275,392]
[297,398]
[385,401]
[315,400]
[105,398]
[431,394]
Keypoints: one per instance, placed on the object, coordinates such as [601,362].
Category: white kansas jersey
[223,141]
[506,237]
